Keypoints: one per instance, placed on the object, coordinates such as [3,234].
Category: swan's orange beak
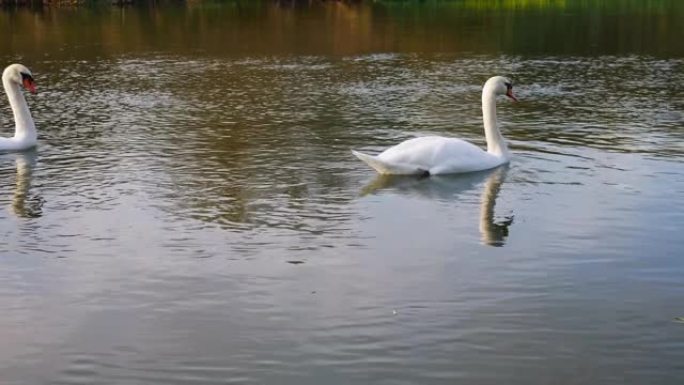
[29,84]
[509,93]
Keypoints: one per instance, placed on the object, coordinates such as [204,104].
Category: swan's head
[19,74]
[501,86]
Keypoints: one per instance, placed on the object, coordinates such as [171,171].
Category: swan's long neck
[25,128]
[496,145]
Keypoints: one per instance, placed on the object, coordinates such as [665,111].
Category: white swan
[432,155]
[25,135]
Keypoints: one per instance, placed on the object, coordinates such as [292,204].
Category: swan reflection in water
[493,232]
[23,204]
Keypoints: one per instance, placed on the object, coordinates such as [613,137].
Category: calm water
[193,215]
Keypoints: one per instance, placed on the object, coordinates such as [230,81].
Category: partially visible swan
[25,135]
[432,155]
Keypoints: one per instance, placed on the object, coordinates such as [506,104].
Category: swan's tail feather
[386,168]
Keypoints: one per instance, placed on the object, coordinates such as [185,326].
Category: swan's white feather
[388,168]
[16,143]
[432,154]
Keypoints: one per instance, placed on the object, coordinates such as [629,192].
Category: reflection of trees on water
[250,177]
[237,195]
[447,188]
[254,142]
[349,27]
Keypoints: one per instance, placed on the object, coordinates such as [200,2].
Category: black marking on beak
[28,82]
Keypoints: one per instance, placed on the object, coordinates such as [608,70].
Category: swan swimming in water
[25,135]
[432,155]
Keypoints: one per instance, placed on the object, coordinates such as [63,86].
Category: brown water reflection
[341,28]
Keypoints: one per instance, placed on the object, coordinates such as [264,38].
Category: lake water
[193,214]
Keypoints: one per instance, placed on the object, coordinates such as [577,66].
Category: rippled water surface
[193,214]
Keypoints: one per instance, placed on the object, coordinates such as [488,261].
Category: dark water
[193,215]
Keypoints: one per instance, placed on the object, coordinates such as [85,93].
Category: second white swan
[432,155]
[25,135]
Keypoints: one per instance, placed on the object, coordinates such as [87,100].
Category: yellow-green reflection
[340,28]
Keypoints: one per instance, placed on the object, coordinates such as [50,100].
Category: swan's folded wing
[387,168]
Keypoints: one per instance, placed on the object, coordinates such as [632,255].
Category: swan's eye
[509,85]
[25,77]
